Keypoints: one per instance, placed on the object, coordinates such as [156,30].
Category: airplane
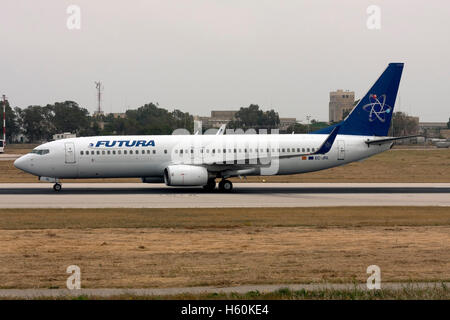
[200,160]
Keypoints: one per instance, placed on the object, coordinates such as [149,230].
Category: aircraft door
[70,152]
[341,149]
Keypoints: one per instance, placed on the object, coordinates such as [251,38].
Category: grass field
[395,165]
[127,248]
[440,292]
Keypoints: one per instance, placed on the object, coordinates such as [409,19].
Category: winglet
[328,143]
[221,130]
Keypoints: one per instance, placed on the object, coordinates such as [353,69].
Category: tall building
[341,102]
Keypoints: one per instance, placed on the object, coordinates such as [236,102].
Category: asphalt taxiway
[136,195]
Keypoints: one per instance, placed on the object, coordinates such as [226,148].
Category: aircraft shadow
[252,190]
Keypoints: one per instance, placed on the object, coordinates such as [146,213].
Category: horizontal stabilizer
[387,140]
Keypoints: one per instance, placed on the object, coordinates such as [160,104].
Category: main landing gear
[57,187]
[210,185]
[224,185]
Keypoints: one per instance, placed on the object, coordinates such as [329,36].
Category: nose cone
[21,163]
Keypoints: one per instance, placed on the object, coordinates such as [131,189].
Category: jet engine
[185,175]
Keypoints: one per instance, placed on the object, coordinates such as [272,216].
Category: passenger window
[114,151]
[148,151]
[109,152]
[131,151]
[181,151]
[165,151]
[213,150]
[81,152]
[303,149]
[92,152]
[308,150]
[124,151]
[234,150]
[224,150]
[298,149]
[98,152]
[119,152]
[154,151]
[282,150]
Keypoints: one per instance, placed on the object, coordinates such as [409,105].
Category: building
[432,129]
[64,135]
[216,119]
[286,123]
[341,102]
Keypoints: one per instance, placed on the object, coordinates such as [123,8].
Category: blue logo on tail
[377,108]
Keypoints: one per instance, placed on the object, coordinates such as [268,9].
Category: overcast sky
[224,54]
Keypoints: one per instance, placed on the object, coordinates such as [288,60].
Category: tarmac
[9,157]
[137,195]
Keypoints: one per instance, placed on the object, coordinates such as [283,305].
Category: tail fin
[372,115]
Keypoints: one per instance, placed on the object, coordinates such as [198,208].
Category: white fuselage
[148,156]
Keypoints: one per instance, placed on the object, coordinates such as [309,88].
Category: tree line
[39,123]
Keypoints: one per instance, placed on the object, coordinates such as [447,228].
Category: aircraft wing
[221,130]
[256,161]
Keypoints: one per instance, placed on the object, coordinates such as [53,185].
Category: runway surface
[54,293]
[9,157]
[136,195]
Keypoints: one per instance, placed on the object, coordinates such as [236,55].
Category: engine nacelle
[185,175]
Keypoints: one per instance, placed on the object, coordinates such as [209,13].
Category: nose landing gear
[57,187]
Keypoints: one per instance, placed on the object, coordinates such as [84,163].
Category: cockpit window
[40,151]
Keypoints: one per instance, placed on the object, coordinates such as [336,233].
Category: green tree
[297,128]
[67,116]
[148,119]
[253,117]
[13,125]
[403,125]
[36,124]
[317,125]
